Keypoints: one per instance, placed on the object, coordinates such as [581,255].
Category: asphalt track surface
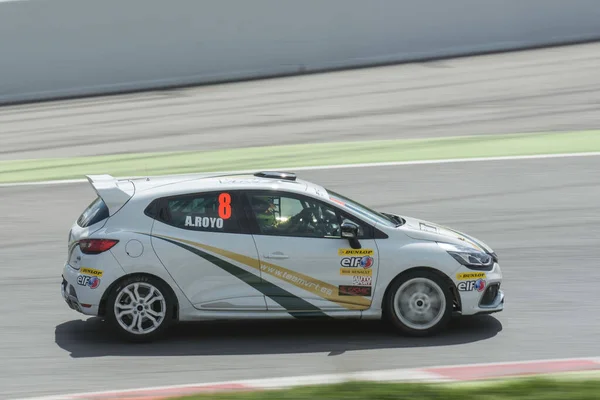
[541,216]
[545,90]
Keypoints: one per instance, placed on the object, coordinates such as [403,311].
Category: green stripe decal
[293,304]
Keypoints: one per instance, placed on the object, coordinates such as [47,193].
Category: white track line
[326,167]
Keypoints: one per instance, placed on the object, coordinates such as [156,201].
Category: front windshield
[361,210]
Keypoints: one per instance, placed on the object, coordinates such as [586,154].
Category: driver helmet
[262,205]
[263,210]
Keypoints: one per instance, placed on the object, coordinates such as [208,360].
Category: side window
[206,212]
[289,215]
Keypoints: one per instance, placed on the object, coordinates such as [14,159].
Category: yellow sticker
[465,276]
[356,271]
[91,271]
[355,252]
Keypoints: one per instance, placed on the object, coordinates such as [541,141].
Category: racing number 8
[225,205]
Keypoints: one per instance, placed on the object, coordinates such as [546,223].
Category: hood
[424,230]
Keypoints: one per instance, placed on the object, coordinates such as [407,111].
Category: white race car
[150,252]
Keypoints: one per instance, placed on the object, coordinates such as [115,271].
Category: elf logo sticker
[90,281]
[469,286]
[365,262]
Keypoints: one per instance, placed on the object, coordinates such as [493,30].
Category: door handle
[276,256]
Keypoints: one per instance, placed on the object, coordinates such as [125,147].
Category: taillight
[96,246]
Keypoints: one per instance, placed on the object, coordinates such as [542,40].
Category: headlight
[468,256]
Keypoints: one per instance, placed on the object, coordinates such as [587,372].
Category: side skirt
[198,315]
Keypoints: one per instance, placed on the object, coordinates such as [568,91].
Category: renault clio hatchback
[148,253]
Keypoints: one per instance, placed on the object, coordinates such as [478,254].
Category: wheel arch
[457,305]
[111,287]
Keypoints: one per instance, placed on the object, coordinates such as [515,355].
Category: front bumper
[488,300]
[495,304]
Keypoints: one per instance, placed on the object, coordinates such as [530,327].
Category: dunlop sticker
[465,276]
[355,252]
[91,271]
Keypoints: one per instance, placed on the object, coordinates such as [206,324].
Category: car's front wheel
[140,308]
[419,303]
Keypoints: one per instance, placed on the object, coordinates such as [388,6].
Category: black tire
[445,309]
[118,293]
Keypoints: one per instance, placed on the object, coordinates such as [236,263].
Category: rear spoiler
[115,193]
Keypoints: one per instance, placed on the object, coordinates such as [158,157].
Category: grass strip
[522,389]
[334,153]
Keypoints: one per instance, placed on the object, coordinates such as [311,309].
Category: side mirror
[350,232]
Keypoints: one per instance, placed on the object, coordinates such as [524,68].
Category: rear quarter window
[97,211]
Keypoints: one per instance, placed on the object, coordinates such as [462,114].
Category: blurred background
[455,96]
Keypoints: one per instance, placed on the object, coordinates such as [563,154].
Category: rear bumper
[69,295]
[74,295]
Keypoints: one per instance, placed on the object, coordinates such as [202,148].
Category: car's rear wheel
[419,303]
[140,308]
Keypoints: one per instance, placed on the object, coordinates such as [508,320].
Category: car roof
[168,186]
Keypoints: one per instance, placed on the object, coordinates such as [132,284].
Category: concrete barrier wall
[54,48]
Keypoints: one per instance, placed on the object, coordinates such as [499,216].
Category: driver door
[301,251]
